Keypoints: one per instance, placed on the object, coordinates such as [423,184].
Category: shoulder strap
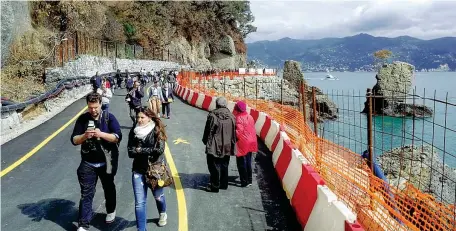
[106,117]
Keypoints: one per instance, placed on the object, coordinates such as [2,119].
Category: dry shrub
[23,70]
[85,16]
[20,89]
[33,111]
[33,45]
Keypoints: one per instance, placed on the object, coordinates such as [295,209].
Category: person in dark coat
[133,99]
[220,140]
[167,99]
[146,143]
[119,79]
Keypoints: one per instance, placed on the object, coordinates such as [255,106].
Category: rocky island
[391,93]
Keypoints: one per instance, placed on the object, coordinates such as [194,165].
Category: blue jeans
[140,189]
[88,177]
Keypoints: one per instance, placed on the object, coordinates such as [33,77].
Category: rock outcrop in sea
[392,98]
[422,167]
[326,108]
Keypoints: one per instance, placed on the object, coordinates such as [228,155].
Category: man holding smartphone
[98,132]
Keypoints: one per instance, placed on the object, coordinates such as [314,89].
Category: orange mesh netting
[378,205]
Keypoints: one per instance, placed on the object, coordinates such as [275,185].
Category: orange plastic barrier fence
[378,205]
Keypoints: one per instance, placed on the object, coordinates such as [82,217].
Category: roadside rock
[394,82]
[293,74]
[326,108]
[422,167]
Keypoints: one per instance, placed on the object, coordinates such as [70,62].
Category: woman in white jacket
[106,95]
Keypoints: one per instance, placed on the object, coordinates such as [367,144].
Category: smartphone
[91,125]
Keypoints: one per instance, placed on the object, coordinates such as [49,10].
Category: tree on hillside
[381,57]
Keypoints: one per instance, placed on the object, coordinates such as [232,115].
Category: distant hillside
[355,52]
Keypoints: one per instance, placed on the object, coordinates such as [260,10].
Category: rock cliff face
[15,21]
[422,167]
[394,82]
[200,57]
[326,108]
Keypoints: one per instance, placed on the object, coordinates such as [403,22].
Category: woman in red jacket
[246,142]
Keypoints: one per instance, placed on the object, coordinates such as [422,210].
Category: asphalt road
[43,192]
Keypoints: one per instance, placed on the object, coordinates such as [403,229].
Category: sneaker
[162,219]
[82,229]
[110,217]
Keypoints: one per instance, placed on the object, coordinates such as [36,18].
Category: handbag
[170,100]
[159,175]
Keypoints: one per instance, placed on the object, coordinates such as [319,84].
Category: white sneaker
[162,219]
[110,217]
[82,229]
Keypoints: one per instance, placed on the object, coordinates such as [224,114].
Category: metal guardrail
[63,84]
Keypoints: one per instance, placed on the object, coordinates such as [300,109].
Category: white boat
[329,76]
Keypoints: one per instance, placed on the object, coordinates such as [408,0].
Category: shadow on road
[200,180]
[64,213]
[277,208]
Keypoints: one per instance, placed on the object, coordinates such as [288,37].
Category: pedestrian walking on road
[133,99]
[246,143]
[220,140]
[119,79]
[129,84]
[98,132]
[167,99]
[146,145]
[106,96]
[155,98]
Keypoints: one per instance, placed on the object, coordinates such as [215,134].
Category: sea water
[350,129]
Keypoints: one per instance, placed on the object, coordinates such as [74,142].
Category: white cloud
[318,19]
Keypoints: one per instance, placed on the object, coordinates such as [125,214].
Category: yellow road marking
[37,148]
[181,204]
[182,207]
[179,140]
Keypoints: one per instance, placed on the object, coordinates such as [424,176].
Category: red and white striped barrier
[316,206]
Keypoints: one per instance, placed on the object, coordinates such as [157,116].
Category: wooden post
[76,42]
[281,91]
[314,100]
[303,100]
[370,141]
[61,53]
[168,54]
[244,89]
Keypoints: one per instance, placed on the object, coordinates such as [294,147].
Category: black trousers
[244,165]
[166,109]
[88,177]
[218,169]
[133,114]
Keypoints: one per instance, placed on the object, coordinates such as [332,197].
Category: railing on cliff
[64,84]
[75,44]
[334,148]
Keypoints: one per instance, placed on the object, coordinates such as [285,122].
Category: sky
[423,19]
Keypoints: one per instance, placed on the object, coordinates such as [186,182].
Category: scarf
[142,131]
